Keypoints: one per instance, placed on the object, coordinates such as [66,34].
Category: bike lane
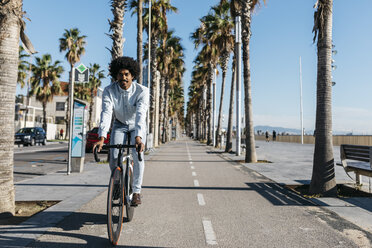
[192,197]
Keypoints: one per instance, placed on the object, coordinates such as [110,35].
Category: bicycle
[120,191]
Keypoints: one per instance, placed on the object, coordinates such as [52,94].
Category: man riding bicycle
[126,103]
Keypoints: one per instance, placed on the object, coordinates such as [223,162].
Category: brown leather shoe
[136,200]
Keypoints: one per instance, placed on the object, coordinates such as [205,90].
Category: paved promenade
[194,196]
[292,164]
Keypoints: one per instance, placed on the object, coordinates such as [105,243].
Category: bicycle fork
[127,171]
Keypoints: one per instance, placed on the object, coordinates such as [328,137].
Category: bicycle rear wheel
[129,210]
[115,205]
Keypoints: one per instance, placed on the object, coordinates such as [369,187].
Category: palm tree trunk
[209,105]
[139,40]
[165,120]
[116,25]
[250,153]
[225,59]
[228,147]
[204,113]
[91,110]
[44,116]
[198,125]
[10,14]
[154,81]
[323,177]
[162,109]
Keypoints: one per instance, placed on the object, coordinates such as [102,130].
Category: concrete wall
[337,139]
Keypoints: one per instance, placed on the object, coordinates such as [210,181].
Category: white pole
[238,41]
[149,69]
[214,107]
[301,107]
[71,95]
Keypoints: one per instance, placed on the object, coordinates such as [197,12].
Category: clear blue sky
[281,33]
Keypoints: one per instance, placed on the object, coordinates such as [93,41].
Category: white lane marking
[210,236]
[193,174]
[196,183]
[201,199]
[190,162]
[192,167]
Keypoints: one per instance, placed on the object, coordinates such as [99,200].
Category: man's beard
[123,82]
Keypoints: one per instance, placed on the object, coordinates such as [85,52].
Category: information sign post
[80,74]
[78,136]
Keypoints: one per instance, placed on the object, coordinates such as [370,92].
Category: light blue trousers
[119,136]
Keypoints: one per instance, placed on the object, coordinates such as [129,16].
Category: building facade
[55,112]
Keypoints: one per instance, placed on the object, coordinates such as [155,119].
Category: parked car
[92,137]
[30,136]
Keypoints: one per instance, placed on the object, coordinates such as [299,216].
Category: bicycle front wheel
[129,210]
[115,205]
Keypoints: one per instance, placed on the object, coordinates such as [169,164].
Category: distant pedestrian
[61,133]
[274,135]
[267,136]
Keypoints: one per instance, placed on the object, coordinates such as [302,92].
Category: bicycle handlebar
[119,146]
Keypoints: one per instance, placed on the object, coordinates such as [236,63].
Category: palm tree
[176,106]
[45,81]
[246,9]
[221,27]
[73,43]
[173,72]
[137,7]
[82,91]
[95,81]
[12,29]
[197,96]
[116,26]
[168,52]
[10,14]
[209,54]
[228,147]
[323,177]
[139,39]
[23,67]
[158,26]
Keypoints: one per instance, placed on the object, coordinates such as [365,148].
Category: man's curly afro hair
[124,63]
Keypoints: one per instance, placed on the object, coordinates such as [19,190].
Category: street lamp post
[238,45]
[301,107]
[214,107]
[71,95]
[149,72]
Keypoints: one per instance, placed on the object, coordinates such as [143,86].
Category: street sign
[81,74]
[78,130]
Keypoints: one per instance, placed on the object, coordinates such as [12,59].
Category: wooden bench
[357,159]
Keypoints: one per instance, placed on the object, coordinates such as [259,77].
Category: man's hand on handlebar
[140,147]
[99,143]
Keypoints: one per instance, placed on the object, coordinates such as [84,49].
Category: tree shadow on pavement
[273,192]
[186,161]
[73,240]
[278,195]
[195,188]
[65,233]
[62,185]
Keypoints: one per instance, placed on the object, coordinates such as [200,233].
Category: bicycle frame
[125,190]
